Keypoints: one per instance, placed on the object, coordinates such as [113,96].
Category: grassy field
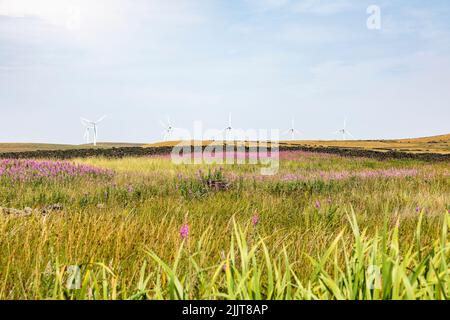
[323,227]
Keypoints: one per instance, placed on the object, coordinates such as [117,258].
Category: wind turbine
[91,125]
[344,131]
[168,129]
[292,130]
[229,128]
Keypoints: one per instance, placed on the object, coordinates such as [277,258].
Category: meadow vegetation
[324,227]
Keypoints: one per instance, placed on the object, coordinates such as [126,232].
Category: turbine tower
[344,132]
[292,131]
[87,134]
[91,125]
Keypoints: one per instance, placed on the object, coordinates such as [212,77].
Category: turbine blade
[165,126]
[86,122]
[348,132]
[101,119]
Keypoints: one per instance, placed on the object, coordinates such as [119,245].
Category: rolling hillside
[21,147]
[435,144]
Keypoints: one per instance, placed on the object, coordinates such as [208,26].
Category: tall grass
[361,268]
[123,232]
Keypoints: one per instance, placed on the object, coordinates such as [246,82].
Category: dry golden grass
[22,147]
[437,144]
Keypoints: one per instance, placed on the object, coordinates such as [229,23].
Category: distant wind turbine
[229,128]
[344,132]
[91,125]
[168,129]
[292,131]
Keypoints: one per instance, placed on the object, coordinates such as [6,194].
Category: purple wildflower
[31,170]
[184,231]
[317,204]
[255,220]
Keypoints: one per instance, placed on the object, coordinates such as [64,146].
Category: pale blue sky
[265,61]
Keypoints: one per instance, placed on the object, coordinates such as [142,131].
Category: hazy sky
[265,61]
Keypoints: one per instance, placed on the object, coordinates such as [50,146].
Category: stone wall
[139,151]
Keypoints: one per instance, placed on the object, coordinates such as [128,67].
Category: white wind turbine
[344,132]
[168,129]
[91,125]
[292,131]
[229,128]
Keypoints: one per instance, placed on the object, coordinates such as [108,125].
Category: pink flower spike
[317,204]
[184,231]
[255,220]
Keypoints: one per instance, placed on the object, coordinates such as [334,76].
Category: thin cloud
[262,60]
